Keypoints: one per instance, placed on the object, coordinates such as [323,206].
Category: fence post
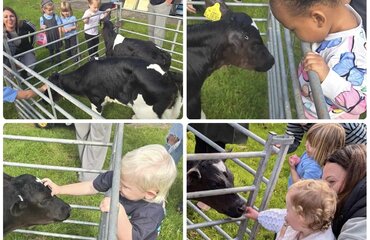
[315,85]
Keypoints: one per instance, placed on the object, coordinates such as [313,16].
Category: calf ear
[193,175]
[18,208]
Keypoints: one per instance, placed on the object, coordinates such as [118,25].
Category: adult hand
[314,62]
[43,88]
[190,8]
[251,213]
[55,189]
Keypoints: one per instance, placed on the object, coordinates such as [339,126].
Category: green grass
[243,178]
[111,111]
[135,135]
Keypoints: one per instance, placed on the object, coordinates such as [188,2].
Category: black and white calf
[28,202]
[233,40]
[211,175]
[144,87]
[214,174]
[117,45]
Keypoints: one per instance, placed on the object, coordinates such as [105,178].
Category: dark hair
[352,158]
[15,14]
[300,7]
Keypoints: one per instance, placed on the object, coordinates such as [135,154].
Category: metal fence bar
[57,140]
[315,85]
[55,88]
[216,192]
[250,134]
[50,167]
[284,81]
[205,217]
[114,204]
[225,155]
[293,75]
[68,236]
[273,178]
[200,232]
[81,223]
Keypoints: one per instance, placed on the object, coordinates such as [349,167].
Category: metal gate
[39,71]
[265,156]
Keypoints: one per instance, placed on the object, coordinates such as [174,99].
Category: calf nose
[267,62]
[241,209]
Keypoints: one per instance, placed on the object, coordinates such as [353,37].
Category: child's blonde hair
[66,7]
[92,1]
[325,138]
[315,201]
[150,167]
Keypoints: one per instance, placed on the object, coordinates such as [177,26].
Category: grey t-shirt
[145,217]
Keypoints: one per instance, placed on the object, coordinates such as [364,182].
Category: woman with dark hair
[14,28]
[345,171]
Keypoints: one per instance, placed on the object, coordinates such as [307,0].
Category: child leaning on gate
[310,208]
[338,53]
[323,139]
[91,18]
[48,20]
[147,174]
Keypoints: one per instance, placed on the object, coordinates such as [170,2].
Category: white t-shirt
[91,27]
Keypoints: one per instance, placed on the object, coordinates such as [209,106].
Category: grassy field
[242,178]
[112,111]
[67,155]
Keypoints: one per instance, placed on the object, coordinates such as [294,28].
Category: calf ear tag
[213,13]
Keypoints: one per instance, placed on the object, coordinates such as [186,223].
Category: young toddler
[322,140]
[48,20]
[310,209]
[147,174]
[69,29]
[338,53]
[91,18]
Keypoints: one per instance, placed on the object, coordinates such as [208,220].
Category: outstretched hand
[251,213]
[55,189]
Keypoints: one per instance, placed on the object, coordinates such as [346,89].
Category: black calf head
[210,175]
[245,46]
[30,203]
[54,78]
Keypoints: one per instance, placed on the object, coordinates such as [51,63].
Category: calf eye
[246,37]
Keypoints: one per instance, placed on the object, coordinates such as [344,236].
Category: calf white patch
[119,39]
[254,24]
[38,180]
[141,109]
[111,100]
[174,112]
[157,68]
[220,166]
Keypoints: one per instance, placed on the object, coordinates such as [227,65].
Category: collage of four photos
[172,119]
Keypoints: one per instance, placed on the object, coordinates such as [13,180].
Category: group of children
[68,27]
